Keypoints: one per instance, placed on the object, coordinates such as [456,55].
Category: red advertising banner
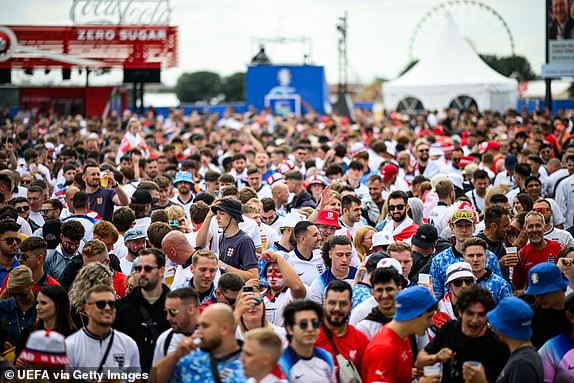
[105,46]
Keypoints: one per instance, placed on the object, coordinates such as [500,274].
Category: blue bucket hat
[412,302]
[512,318]
[182,177]
[545,278]
[134,233]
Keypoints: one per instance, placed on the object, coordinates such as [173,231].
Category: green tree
[198,86]
[517,66]
[234,87]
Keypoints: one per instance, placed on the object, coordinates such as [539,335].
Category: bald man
[178,249]
[216,334]
[280,195]
[69,209]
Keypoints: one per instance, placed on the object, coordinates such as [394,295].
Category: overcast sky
[219,35]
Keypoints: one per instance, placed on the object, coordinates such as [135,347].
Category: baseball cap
[329,218]
[545,278]
[134,233]
[458,270]
[462,214]
[381,238]
[425,237]
[487,146]
[412,302]
[390,262]
[512,318]
[290,220]
[510,162]
[389,171]
[45,347]
[142,197]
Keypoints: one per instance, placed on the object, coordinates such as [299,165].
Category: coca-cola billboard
[121,12]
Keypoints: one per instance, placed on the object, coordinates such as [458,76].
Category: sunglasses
[146,268]
[171,312]
[22,209]
[423,150]
[396,207]
[26,182]
[46,211]
[12,240]
[230,301]
[466,281]
[541,210]
[315,323]
[102,304]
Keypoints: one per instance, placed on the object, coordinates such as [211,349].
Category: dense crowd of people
[259,248]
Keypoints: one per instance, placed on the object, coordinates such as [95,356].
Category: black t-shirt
[546,324]
[238,251]
[523,366]
[486,349]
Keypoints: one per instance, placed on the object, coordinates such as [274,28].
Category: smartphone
[173,223]
[248,289]
[424,279]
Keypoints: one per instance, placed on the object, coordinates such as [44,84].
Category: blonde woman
[176,218]
[92,274]
[363,241]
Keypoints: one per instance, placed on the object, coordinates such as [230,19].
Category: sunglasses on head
[22,209]
[304,324]
[396,207]
[466,281]
[146,268]
[102,304]
[12,240]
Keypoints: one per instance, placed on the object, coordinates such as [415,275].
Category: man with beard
[336,335]
[538,250]
[561,26]
[468,338]
[151,168]
[183,182]
[182,311]
[424,165]
[135,240]
[216,359]
[103,199]
[351,217]
[480,182]
[304,258]
[87,346]
[284,286]
[401,227]
[302,360]
[373,205]
[141,313]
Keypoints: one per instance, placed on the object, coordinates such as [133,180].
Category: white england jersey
[309,269]
[274,306]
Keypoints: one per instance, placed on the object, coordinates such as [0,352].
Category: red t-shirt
[530,257]
[388,358]
[46,280]
[351,345]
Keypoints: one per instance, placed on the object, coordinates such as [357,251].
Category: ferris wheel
[483,27]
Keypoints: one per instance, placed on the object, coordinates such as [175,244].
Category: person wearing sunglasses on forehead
[87,346]
[302,361]
[9,241]
[141,313]
[551,232]
[17,309]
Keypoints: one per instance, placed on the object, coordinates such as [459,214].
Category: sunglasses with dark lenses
[12,240]
[26,182]
[172,312]
[46,211]
[396,207]
[315,323]
[466,281]
[22,209]
[102,304]
[423,150]
[230,301]
[146,268]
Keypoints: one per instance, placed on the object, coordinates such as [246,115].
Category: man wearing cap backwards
[462,224]
[284,286]
[414,308]
[538,250]
[547,284]
[422,245]
[556,354]
[103,199]
[475,255]
[400,225]
[466,339]
[135,240]
[183,182]
[337,253]
[386,281]
[511,321]
[236,249]
[305,257]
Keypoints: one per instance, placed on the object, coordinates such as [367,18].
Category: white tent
[447,73]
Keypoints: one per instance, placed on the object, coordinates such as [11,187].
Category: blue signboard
[288,89]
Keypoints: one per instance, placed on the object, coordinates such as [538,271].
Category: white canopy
[450,70]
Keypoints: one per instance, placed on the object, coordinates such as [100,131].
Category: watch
[223,267]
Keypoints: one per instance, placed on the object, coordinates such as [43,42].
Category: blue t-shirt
[196,367]
[238,251]
[101,201]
